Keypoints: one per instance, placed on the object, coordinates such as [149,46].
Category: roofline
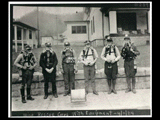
[24,24]
[76,21]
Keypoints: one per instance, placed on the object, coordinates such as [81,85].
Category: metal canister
[78,95]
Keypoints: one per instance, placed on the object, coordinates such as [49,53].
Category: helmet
[109,39]
[66,43]
[126,37]
[27,47]
[48,44]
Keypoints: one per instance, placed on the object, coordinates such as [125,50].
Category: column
[15,37]
[149,21]
[22,39]
[113,22]
[27,36]
[32,39]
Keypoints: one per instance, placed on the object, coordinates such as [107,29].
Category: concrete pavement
[104,101]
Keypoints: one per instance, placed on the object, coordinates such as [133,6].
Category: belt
[129,58]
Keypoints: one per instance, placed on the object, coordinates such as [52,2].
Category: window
[73,29]
[30,34]
[78,29]
[83,29]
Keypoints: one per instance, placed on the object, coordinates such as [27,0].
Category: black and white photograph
[80,59]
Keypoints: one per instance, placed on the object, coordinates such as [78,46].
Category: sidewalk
[104,101]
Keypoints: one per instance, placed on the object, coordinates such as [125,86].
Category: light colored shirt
[90,57]
[112,56]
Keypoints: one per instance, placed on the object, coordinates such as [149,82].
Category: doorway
[126,21]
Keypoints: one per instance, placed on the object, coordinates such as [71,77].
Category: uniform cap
[28,47]
[48,44]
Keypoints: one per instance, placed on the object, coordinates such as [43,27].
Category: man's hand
[85,63]
[113,61]
[50,70]
[108,60]
[91,63]
[24,67]
[31,68]
[47,70]
[132,50]
[75,69]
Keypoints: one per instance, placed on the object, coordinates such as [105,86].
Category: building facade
[77,31]
[118,19]
[23,34]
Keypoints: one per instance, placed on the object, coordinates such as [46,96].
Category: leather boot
[114,83]
[23,95]
[110,90]
[133,85]
[66,93]
[109,85]
[45,92]
[95,92]
[29,94]
[55,95]
[128,85]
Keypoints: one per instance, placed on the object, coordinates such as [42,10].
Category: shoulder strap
[106,50]
[83,54]
[114,50]
[72,52]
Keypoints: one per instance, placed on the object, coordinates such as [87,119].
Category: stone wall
[143,81]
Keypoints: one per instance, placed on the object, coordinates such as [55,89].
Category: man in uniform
[48,62]
[110,54]
[26,62]
[88,57]
[129,53]
[68,68]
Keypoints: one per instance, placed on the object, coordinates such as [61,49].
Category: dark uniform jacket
[48,59]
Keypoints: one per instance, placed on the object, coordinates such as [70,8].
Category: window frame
[80,31]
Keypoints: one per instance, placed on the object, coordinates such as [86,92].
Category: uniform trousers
[111,71]
[27,76]
[69,77]
[50,77]
[130,73]
[89,74]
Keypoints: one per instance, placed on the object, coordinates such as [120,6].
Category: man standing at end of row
[129,53]
[111,55]
[26,62]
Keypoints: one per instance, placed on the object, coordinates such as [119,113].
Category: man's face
[109,43]
[67,47]
[48,48]
[88,45]
[127,42]
[28,50]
